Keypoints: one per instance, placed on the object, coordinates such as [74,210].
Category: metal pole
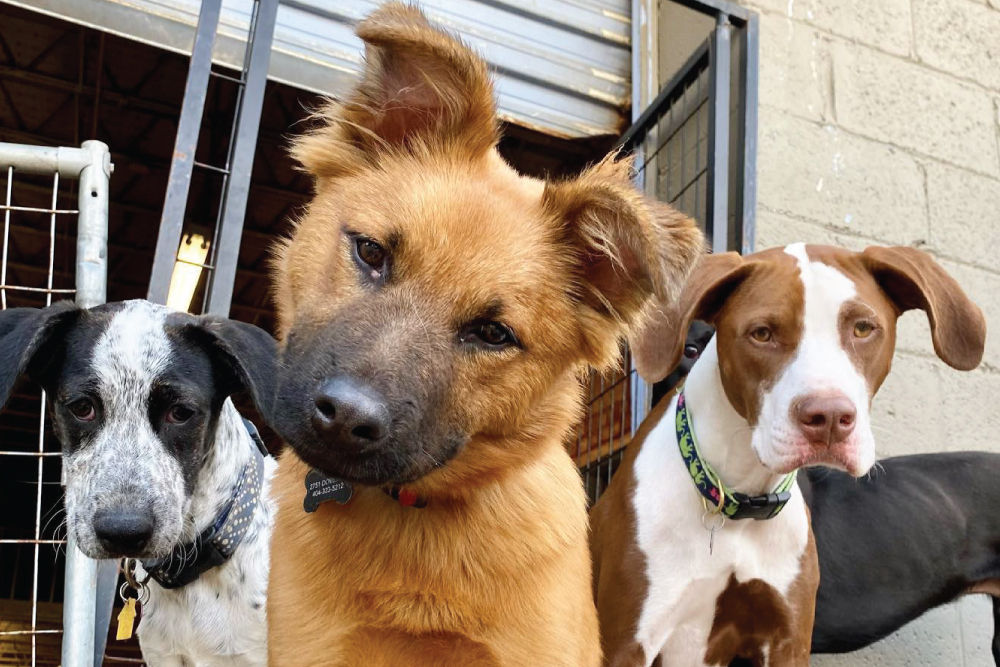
[720,53]
[751,57]
[79,605]
[644,73]
[182,164]
[234,202]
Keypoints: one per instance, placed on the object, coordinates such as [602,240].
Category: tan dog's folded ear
[658,344]
[913,280]
[628,249]
[420,87]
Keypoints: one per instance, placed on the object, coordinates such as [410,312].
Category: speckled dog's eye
[83,410]
[761,334]
[178,414]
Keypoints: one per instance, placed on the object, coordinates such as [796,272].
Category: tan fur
[496,569]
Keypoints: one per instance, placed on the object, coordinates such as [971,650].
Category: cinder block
[976,616]
[794,68]
[776,229]
[905,104]
[884,24]
[969,406]
[848,183]
[902,420]
[964,214]
[953,36]
[933,640]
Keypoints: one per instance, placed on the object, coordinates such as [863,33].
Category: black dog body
[921,531]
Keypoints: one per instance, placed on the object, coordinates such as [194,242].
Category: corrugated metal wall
[562,65]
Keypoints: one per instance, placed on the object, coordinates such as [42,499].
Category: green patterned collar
[732,504]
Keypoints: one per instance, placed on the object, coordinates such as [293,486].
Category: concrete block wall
[880,124]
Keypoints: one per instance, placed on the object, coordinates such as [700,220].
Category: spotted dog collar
[217,543]
[732,504]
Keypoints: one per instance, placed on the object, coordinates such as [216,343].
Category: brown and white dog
[436,311]
[805,337]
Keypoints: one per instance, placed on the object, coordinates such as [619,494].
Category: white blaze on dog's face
[123,463]
[805,337]
[817,410]
[135,392]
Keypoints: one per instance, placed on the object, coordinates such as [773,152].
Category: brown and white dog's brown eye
[488,334]
[179,414]
[863,329]
[83,409]
[761,334]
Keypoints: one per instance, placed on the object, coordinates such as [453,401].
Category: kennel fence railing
[694,145]
[30,628]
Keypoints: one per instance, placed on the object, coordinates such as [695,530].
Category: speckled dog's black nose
[123,531]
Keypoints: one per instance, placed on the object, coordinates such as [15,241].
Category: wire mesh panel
[694,147]
[54,242]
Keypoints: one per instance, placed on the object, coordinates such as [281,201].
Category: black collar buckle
[760,507]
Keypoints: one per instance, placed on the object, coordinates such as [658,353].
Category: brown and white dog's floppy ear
[913,280]
[26,336]
[658,344]
[419,85]
[627,248]
[247,354]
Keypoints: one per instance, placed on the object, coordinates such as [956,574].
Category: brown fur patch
[754,621]
[496,567]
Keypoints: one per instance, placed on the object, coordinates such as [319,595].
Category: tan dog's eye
[761,334]
[488,334]
[863,329]
[371,253]
[372,258]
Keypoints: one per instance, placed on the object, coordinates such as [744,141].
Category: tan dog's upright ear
[657,346]
[913,280]
[420,87]
[627,249]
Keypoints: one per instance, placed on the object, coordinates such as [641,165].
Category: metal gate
[38,215]
[695,146]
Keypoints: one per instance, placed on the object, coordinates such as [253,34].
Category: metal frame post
[182,164]
[644,73]
[234,200]
[91,166]
[720,54]
[750,77]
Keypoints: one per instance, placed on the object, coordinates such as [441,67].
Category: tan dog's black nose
[349,413]
[825,419]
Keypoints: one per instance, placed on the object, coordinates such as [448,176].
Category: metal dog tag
[321,488]
[126,620]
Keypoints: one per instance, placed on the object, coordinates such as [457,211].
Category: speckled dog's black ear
[28,342]
[247,354]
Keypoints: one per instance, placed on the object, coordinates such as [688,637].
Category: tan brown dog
[437,311]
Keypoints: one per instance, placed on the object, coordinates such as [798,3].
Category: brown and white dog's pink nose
[825,419]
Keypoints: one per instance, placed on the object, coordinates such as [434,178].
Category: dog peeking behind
[159,465]
[436,311]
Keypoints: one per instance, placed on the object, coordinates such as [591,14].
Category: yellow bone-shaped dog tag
[126,620]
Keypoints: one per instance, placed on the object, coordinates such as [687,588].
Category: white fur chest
[219,619]
[684,578]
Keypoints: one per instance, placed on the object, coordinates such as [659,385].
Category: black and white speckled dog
[159,464]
